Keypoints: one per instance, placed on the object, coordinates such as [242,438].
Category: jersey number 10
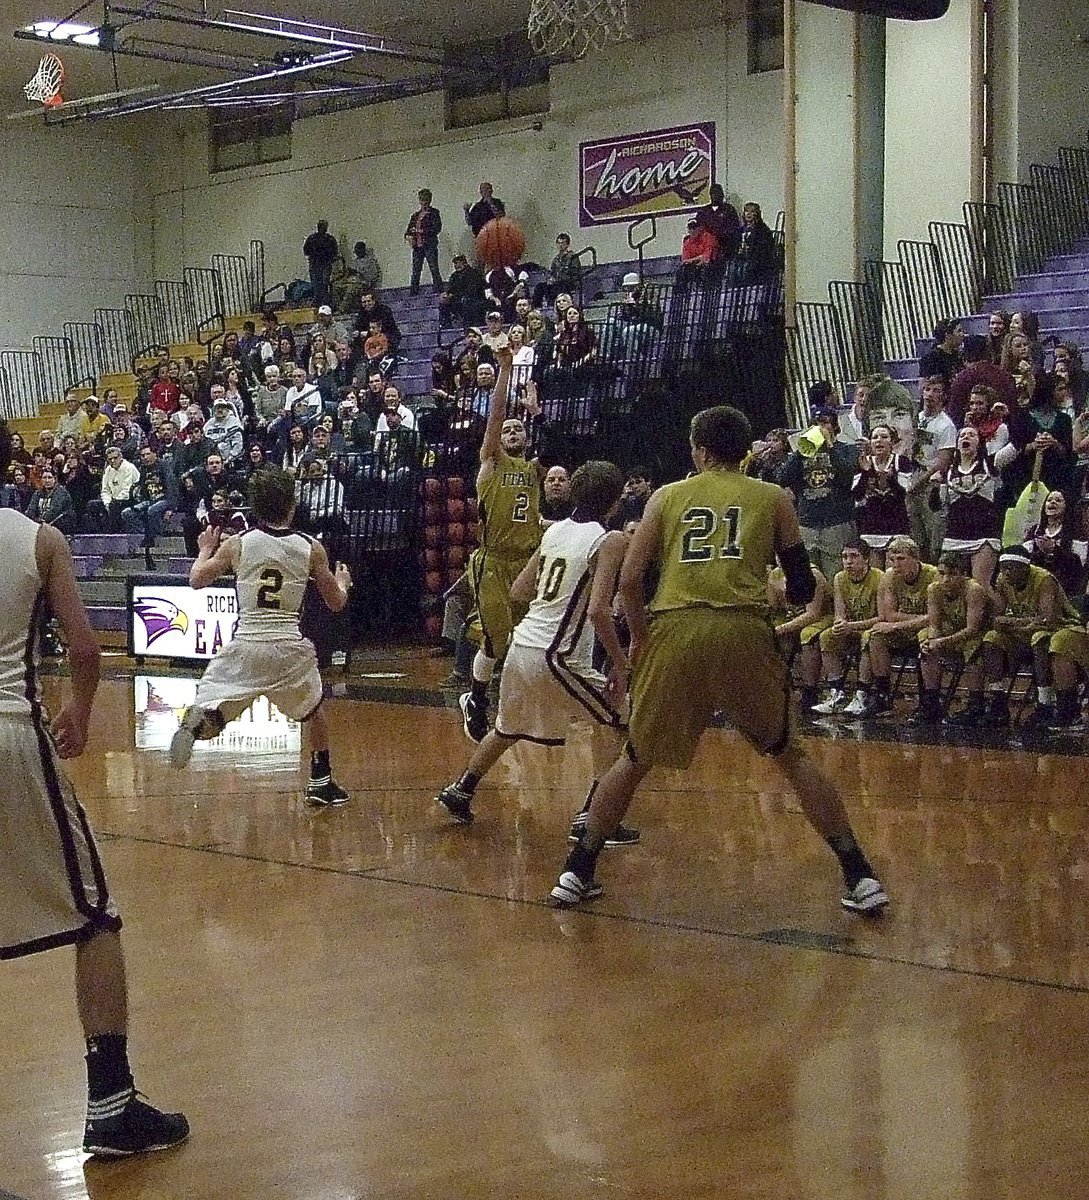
[702,524]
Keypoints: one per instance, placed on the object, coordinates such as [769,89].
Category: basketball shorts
[699,661]
[966,651]
[540,698]
[1016,646]
[52,886]
[284,672]
[1071,643]
[809,634]
[494,614]
[894,642]
[841,642]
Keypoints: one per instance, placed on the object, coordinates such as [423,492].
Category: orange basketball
[501,243]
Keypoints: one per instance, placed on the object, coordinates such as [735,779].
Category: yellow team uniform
[909,598]
[782,610]
[952,618]
[859,603]
[510,518]
[711,645]
[1025,602]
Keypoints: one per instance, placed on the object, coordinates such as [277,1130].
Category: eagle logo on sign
[159,617]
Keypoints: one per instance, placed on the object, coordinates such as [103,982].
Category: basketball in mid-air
[501,243]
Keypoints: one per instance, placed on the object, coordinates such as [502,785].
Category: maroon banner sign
[660,173]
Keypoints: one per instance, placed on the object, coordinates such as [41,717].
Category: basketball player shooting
[268,655]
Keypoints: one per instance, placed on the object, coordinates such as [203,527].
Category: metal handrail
[637,246]
[591,251]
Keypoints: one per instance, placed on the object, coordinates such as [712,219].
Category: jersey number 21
[701,526]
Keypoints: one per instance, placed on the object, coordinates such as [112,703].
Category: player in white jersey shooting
[268,656]
[548,682]
[52,886]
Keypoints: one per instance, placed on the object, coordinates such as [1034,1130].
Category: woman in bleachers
[1069,365]
[20,490]
[973,523]
[237,393]
[998,327]
[1028,323]
[535,326]
[1016,351]
[987,414]
[576,343]
[20,456]
[1050,542]
[320,349]
[80,483]
[284,357]
[880,491]
[52,505]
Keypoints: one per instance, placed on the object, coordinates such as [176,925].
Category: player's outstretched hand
[504,357]
[343,577]
[69,729]
[208,539]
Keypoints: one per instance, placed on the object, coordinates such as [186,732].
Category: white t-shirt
[933,435]
[408,420]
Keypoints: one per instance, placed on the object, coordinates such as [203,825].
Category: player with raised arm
[709,646]
[508,489]
[268,655]
[548,681]
[52,883]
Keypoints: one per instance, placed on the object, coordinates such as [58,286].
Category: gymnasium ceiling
[432,25]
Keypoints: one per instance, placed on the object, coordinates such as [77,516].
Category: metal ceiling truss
[336,85]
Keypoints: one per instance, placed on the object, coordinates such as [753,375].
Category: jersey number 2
[520,511]
[268,594]
[702,523]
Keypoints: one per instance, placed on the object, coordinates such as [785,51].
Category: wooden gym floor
[374,1003]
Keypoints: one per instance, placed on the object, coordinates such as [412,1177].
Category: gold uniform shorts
[494,615]
[966,651]
[1072,643]
[699,661]
[841,641]
[1017,646]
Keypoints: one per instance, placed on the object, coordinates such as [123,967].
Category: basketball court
[373,1001]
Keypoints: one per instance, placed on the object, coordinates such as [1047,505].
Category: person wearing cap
[330,328]
[321,250]
[95,428]
[119,478]
[462,299]
[1029,607]
[131,435]
[495,336]
[224,429]
[71,421]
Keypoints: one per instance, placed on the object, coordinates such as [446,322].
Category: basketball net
[45,87]
[570,28]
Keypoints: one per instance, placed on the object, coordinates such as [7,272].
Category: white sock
[1046,695]
[483,667]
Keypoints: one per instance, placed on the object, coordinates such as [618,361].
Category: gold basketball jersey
[718,537]
[1026,602]
[859,599]
[911,597]
[510,508]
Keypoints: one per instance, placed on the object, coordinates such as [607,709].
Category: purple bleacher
[106,545]
[105,618]
[87,565]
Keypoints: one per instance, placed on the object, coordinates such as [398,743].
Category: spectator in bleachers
[321,504]
[1068,363]
[224,429]
[119,479]
[194,393]
[238,395]
[372,400]
[364,266]
[495,336]
[499,283]
[270,400]
[52,505]
[396,448]
[325,382]
[327,327]
[1028,323]
[194,451]
[320,250]
[248,340]
[1037,426]
[462,301]
[719,217]
[95,429]
[294,451]
[944,357]
[698,251]
[756,257]
[153,500]
[634,322]
[768,456]
[935,442]
[302,391]
[443,380]
[256,460]
[163,438]
[638,489]
[556,494]
[18,492]
[391,399]
[821,484]
[356,426]
[286,356]
[483,386]
[998,327]
[126,433]
[519,294]
[371,308]
[71,420]
[978,369]
[564,273]
[576,342]
[535,326]
[422,235]
[197,487]
[469,355]
[523,355]
[80,484]
[20,456]
[1050,543]
[350,369]
[166,391]
[486,209]
[987,414]
[317,350]
[377,355]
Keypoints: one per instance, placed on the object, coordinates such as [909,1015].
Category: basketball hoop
[46,84]
[571,28]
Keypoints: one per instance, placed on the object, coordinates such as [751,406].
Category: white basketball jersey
[20,587]
[273,571]
[556,620]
